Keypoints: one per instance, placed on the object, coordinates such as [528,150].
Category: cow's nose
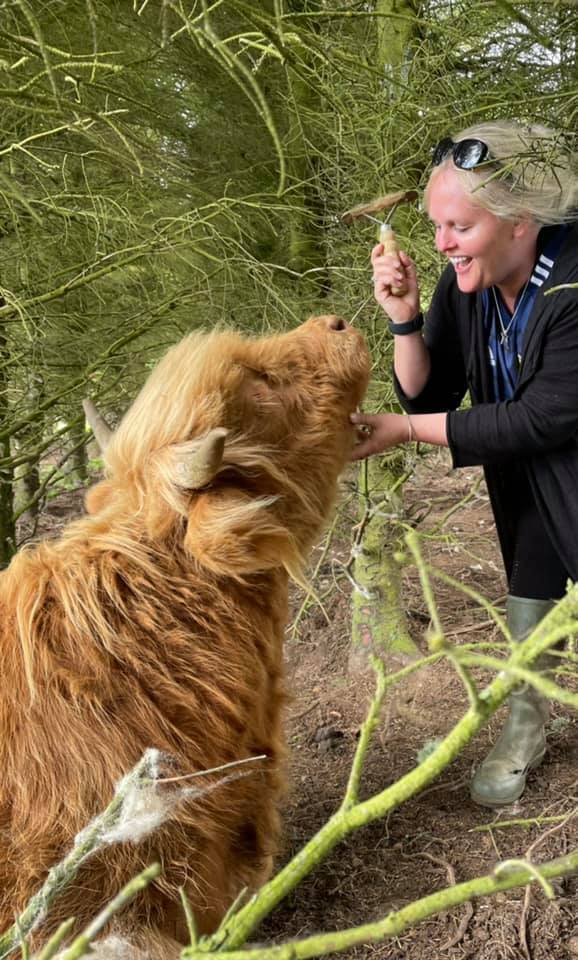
[335,323]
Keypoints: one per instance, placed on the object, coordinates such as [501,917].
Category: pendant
[504,340]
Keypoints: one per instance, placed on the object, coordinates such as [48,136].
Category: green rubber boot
[501,777]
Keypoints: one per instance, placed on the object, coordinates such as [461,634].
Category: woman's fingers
[388,266]
[377,432]
[365,419]
[363,450]
[408,265]
[391,271]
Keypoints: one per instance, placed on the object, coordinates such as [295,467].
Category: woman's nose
[444,239]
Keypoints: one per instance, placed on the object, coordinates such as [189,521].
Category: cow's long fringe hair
[157,620]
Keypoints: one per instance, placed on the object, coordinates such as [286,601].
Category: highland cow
[157,621]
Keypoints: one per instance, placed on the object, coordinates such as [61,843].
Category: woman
[502,198]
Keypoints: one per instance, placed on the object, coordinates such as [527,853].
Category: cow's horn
[205,462]
[98,425]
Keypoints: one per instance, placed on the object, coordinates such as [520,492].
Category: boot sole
[504,802]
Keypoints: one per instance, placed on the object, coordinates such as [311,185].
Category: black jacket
[538,429]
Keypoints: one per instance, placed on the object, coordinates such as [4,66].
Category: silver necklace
[506,330]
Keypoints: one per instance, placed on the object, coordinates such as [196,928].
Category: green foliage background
[168,165]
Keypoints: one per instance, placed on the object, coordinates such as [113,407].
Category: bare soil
[434,839]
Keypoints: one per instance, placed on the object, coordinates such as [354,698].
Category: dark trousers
[537,571]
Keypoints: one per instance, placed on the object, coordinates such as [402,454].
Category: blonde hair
[535,174]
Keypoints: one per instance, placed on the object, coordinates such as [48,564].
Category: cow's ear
[173,472]
[194,469]
[235,535]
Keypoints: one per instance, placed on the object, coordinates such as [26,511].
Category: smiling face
[484,249]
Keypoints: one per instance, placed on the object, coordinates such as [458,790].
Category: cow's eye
[263,377]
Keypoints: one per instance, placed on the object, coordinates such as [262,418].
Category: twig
[397,922]
[457,506]
[412,542]
[344,822]
[474,595]
[311,593]
[504,824]
[81,946]
[468,911]
[307,710]
[101,830]
[438,640]
[462,927]
[53,944]
[367,729]
[542,684]
[205,773]
[550,832]
[190,917]
[470,629]
[62,873]
[517,862]
[523,924]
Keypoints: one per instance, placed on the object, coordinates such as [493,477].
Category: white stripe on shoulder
[541,270]
[546,260]
[537,281]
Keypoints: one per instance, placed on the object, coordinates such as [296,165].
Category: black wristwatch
[402,329]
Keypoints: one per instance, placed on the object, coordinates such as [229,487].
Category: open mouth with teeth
[460,263]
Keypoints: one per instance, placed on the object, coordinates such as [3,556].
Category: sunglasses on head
[466,154]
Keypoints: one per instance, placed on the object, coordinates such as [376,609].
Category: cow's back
[199,679]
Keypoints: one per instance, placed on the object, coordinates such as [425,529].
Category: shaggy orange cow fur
[158,619]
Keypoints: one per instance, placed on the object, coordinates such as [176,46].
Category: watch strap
[402,329]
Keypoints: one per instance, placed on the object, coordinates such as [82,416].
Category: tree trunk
[306,249]
[77,466]
[26,484]
[27,476]
[7,529]
[395,35]
[379,621]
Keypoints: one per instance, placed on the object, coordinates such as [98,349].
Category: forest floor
[435,839]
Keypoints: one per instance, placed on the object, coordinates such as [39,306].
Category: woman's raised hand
[390,271]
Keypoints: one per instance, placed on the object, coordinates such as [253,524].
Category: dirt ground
[431,840]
